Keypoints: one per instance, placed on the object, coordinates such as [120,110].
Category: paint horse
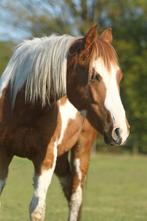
[33,123]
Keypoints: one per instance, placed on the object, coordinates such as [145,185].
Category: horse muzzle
[114,138]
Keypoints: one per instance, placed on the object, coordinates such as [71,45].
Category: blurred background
[27,18]
[117,184]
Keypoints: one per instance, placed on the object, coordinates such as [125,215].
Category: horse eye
[95,77]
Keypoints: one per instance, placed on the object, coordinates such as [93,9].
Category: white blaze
[113,101]
[77,168]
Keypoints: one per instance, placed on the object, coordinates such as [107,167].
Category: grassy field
[116,191]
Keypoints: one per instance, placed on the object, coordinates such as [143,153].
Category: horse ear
[107,35]
[90,37]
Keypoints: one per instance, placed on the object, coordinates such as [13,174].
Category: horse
[34,119]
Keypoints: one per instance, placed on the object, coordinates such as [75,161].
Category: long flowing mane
[41,65]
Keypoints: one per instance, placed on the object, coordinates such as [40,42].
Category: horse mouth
[110,141]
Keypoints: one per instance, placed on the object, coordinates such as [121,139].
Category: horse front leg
[72,176]
[80,163]
[76,197]
[42,180]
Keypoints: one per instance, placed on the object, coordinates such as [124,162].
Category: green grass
[116,191]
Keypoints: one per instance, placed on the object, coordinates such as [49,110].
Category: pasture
[116,190]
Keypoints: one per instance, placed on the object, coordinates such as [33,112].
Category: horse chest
[70,126]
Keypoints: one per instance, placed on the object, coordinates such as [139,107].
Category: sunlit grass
[116,190]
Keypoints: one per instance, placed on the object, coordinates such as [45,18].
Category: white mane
[41,63]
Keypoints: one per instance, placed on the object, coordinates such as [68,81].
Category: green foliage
[5,53]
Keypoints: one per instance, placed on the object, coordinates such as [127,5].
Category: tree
[5,53]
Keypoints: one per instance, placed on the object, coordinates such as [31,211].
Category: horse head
[93,84]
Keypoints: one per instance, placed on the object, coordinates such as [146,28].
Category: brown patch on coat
[29,130]
[82,151]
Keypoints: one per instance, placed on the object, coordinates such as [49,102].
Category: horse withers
[34,124]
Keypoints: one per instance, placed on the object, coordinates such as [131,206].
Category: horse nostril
[116,135]
[117,131]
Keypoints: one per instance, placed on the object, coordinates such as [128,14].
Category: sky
[13,27]
[11,33]
[8,28]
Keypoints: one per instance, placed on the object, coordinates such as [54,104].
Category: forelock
[105,51]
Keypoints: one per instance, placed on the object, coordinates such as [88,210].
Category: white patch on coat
[76,201]
[41,183]
[76,198]
[2,184]
[68,112]
[113,101]
[77,168]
